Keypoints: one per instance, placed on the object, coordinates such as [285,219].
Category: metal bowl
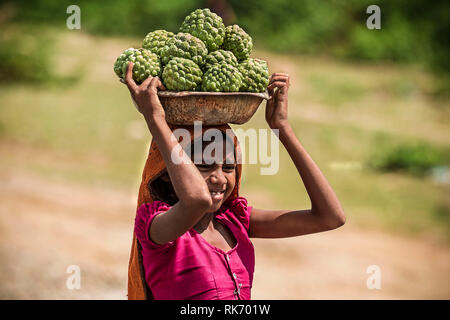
[212,108]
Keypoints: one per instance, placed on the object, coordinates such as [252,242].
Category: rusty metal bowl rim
[175,94]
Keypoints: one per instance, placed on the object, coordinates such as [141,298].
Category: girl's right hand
[145,96]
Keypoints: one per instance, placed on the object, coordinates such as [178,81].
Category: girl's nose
[217,177]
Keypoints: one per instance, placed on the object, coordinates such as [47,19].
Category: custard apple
[205,25]
[222,77]
[255,75]
[156,40]
[184,45]
[182,75]
[145,62]
[237,41]
[220,56]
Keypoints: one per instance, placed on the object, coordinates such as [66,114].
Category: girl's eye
[228,167]
[225,167]
[203,166]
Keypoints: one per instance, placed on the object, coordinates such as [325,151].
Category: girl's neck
[206,222]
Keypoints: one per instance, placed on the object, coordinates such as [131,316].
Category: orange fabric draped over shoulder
[154,167]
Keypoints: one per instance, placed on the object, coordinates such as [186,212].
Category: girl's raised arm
[188,183]
[326,212]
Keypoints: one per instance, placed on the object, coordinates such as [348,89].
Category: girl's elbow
[338,221]
[199,202]
[204,202]
[333,220]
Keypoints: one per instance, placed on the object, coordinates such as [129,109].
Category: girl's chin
[216,205]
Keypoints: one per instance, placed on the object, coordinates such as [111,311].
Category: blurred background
[370,106]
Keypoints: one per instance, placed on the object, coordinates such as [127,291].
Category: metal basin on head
[212,108]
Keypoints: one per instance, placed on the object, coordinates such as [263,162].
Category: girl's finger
[276,84]
[156,83]
[270,92]
[283,90]
[144,85]
[279,78]
[160,84]
[270,105]
[129,78]
[279,74]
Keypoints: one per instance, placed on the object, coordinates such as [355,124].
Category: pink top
[191,268]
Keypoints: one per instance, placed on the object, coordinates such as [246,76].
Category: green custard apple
[146,64]
[237,41]
[222,78]
[156,40]
[255,75]
[181,74]
[184,45]
[220,56]
[205,25]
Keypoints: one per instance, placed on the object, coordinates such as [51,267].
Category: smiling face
[219,174]
[219,171]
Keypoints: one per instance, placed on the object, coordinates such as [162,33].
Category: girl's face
[220,176]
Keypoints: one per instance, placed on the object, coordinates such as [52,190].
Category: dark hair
[164,191]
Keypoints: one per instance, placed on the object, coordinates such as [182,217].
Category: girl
[192,229]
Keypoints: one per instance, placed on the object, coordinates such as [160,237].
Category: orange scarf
[154,167]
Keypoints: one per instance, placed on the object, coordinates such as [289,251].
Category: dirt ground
[47,226]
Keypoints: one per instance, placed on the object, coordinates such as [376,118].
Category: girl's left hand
[277,105]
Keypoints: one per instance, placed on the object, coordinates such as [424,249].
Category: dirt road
[46,226]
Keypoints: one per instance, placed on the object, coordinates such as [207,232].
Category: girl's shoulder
[144,217]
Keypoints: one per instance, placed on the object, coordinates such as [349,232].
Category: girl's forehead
[216,152]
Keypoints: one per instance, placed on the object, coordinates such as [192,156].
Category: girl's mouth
[217,195]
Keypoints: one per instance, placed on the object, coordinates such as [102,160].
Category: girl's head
[218,170]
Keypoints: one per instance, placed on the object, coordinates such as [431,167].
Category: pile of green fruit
[204,56]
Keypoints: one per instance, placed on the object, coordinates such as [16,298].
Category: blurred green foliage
[25,57]
[414,157]
[412,30]
[114,17]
